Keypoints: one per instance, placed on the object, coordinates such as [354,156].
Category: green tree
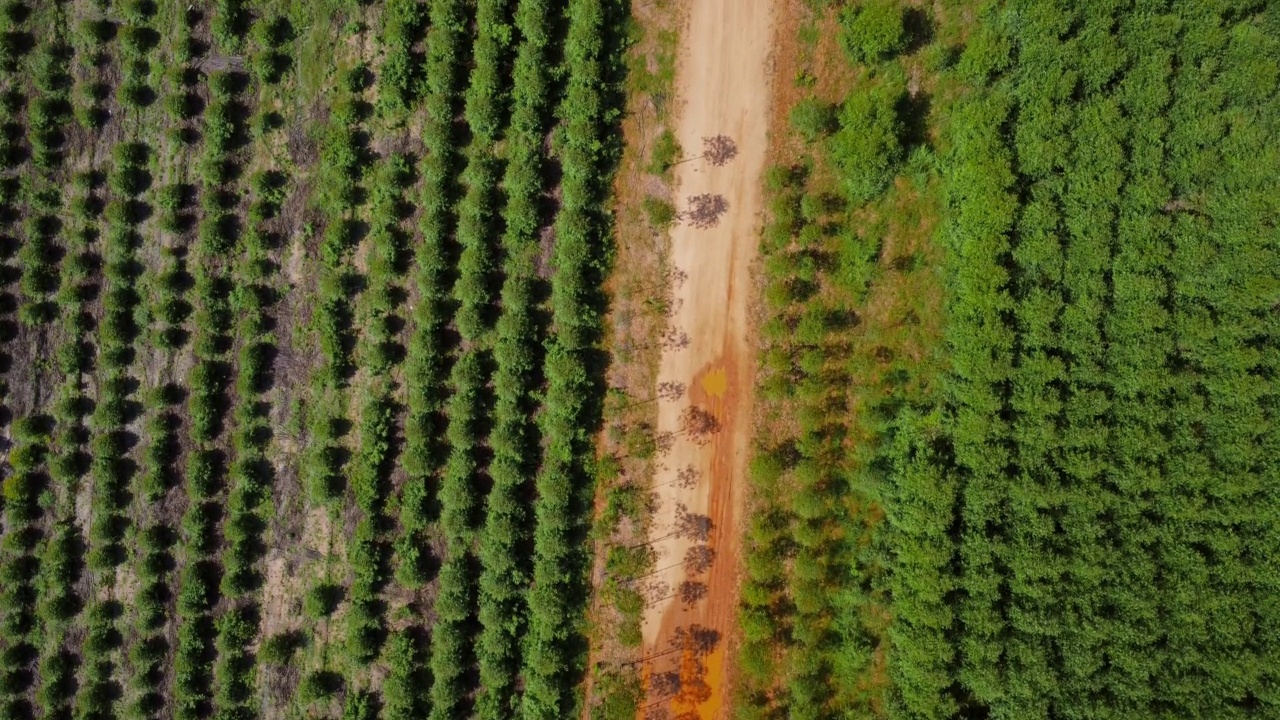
[873,30]
[868,146]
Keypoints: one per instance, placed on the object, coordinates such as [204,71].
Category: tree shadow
[918,28]
[913,114]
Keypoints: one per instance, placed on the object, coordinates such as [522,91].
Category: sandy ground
[723,86]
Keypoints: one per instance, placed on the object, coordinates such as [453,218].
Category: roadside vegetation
[640,310]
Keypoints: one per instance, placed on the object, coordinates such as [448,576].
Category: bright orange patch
[710,709]
[716,383]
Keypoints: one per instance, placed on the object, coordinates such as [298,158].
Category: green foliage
[280,648]
[319,685]
[426,362]
[360,706]
[145,287]
[321,600]
[271,59]
[986,53]
[504,535]
[371,467]
[868,147]
[450,654]
[230,21]
[660,212]
[200,682]
[405,655]
[400,76]
[1097,204]
[813,119]
[619,697]
[666,151]
[573,395]
[872,30]
[249,474]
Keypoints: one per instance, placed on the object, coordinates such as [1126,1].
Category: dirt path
[723,85]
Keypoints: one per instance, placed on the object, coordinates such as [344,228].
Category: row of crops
[1059,504]
[301,363]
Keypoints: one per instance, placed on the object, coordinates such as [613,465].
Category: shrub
[405,656]
[321,600]
[660,212]
[148,652]
[813,119]
[230,23]
[279,649]
[138,11]
[360,706]
[867,148]
[619,696]
[319,685]
[987,53]
[873,30]
[200,527]
[98,31]
[666,150]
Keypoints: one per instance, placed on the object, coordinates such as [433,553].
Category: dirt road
[723,87]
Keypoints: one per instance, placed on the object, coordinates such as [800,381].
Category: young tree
[814,119]
[873,30]
[868,148]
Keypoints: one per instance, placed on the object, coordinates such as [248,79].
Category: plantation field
[303,348]
[1016,452]
[660,360]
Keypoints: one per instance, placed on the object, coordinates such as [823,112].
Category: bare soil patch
[723,89]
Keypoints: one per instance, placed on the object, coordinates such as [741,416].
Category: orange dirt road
[723,88]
